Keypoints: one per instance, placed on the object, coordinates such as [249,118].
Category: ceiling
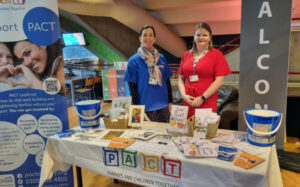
[172,19]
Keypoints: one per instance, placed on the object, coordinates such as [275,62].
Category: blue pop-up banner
[32,102]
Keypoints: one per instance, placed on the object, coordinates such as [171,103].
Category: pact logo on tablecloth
[148,162]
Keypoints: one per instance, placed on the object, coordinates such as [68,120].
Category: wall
[117,34]
[233,60]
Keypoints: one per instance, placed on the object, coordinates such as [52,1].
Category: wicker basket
[116,123]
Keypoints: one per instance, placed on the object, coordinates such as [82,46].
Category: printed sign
[113,84]
[265,36]
[32,102]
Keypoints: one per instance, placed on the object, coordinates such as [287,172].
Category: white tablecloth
[61,153]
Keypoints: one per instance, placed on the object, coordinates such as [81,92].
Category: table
[72,81]
[61,153]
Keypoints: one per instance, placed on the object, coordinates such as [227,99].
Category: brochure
[226,153]
[247,160]
[110,134]
[178,119]
[120,142]
[202,148]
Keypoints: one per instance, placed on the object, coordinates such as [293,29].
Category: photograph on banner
[28,65]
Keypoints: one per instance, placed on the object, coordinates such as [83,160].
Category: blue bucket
[262,125]
[89,113]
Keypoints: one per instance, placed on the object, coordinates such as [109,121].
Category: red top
[211,65]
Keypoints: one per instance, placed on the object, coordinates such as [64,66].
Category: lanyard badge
[194,77]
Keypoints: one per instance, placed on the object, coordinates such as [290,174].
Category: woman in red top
[201,72]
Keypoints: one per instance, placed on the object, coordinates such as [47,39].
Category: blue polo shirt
[154,97]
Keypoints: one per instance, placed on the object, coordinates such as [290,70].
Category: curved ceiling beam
[133,17]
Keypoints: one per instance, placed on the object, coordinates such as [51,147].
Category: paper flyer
[32,102]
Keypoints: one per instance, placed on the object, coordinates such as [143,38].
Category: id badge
[194,78]
[152,81]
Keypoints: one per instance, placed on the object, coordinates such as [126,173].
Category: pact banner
[32,102]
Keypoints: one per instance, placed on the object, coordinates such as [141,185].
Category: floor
[91,179]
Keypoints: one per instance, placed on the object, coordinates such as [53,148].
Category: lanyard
[196,61]
[195,64]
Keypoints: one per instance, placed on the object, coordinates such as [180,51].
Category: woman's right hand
[29,80]
[189,99]
[5,72]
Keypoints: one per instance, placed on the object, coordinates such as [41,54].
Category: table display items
[226,153]
[262,125]
[144,135]
[122,102]
[120,142]
[136,116]
[247,160]
[110,134]
[88,112]
[178,125]
[206,123]
[117,116]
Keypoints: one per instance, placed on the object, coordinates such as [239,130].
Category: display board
[264,58]
[32,102]
[113,84]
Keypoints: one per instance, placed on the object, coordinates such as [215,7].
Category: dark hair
[10,46]
[147,27]
[53,51]
[206,27]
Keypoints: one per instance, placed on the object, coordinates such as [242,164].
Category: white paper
[246,147]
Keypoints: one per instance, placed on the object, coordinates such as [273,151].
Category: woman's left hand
[197,101]
[29,79]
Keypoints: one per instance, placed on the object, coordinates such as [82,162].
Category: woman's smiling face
[5,55]
[32,56]
[147,38]
[202,38]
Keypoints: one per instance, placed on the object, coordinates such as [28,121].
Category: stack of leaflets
[226,153]
[144,135]
[120,142]
[204,117]
[180,141]
[247,160]
[194,147]
[203,148]
[224,139]
[178,120]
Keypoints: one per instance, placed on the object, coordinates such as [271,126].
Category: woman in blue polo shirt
[148,76]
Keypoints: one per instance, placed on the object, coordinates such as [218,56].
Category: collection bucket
[262,125]
[89,113]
